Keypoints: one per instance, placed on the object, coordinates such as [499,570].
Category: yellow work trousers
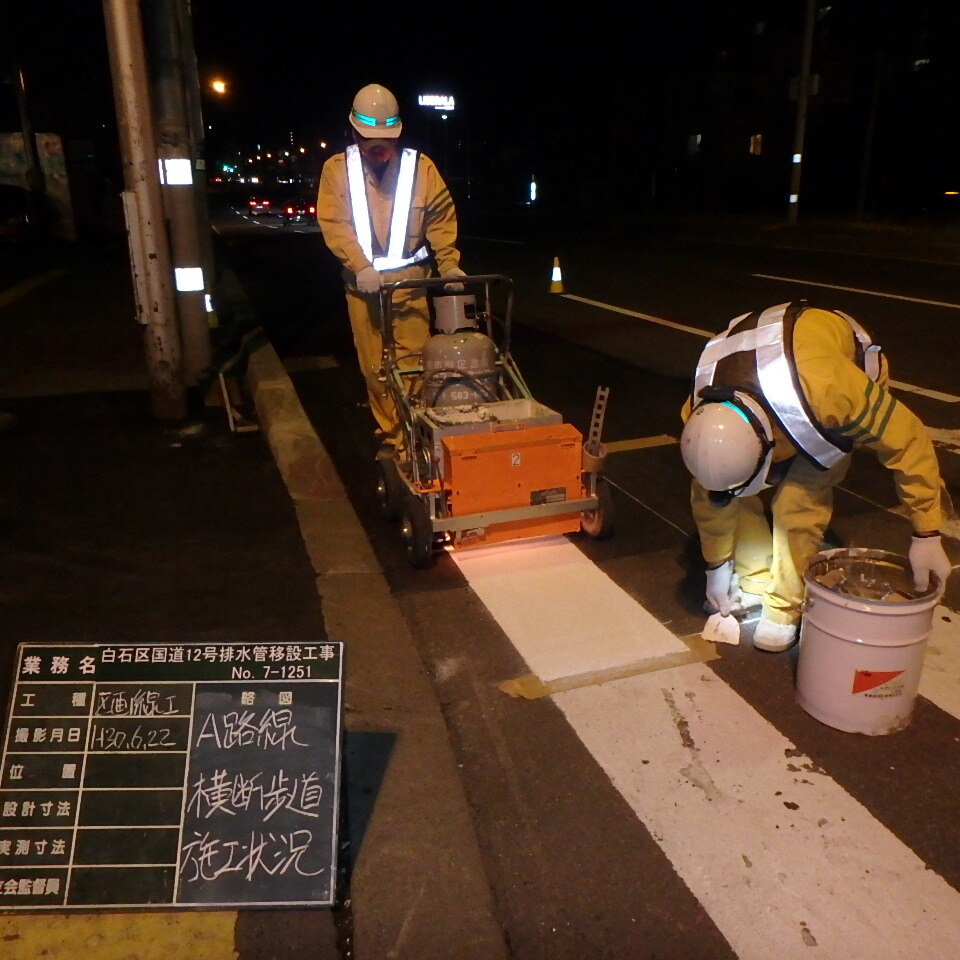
[772,563]
[411,327]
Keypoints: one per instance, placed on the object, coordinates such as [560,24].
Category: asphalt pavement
[117,527]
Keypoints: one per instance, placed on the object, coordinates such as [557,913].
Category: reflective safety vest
[755,354]
[396,255]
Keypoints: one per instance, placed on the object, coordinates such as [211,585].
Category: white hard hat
[375,113]
[728,445]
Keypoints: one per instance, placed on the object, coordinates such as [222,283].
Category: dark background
[612,109]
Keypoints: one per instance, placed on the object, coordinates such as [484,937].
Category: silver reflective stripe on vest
[776,376]
[400,215]
[779,390]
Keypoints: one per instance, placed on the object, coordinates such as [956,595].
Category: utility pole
[803,97]
[178,176]
[143,207]
[198,142]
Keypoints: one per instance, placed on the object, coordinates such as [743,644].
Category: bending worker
[780,399]
[386,215]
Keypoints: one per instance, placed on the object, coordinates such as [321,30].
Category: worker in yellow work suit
[386,215]
[780,399]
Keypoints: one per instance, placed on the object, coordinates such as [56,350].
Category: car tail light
[313,209]
[289,209]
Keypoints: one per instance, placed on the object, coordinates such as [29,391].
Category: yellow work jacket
[849,405]
[433,216]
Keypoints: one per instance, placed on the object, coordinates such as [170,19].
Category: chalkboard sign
[171,775]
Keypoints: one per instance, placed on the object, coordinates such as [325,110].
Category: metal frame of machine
[503,468]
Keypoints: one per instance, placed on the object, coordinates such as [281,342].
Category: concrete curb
[418,889]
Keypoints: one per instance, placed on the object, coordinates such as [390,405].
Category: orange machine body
[513,468]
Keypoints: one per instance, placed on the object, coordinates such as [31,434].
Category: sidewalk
[116,527]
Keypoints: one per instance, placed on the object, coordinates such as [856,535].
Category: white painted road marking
[640,316]
[780,856]
[898,384]
[775,850]
[563,613]
[940,678]
[869,293]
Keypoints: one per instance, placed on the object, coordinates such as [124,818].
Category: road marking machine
[483,462]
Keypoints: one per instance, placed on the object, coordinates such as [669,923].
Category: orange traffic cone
[556,280]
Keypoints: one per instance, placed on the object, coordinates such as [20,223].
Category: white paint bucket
[862,640]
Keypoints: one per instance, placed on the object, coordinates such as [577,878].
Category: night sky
[614,87]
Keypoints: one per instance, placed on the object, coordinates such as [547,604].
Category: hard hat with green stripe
[727,443]
[375,113]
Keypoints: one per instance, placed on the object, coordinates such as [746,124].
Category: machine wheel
[417,533]
[390,488]
[598,523]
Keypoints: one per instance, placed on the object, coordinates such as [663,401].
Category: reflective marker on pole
[177,172]
[189,279]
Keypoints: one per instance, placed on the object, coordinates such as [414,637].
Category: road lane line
[869,293]
[924,392]
[777,852]
[898,384]
[640,316]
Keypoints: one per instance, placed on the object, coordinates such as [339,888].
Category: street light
[219,86]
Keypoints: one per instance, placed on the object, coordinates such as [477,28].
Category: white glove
[723,588]
[927,555]
[369,280]
[453,274]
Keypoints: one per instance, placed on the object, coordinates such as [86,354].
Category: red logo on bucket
[870,679]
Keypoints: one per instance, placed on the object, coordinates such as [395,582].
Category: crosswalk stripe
[940,677]
[778,853]
[780,856]
[572,618]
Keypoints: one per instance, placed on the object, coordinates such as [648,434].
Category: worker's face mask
[377,151]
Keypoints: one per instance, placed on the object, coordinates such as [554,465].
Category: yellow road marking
[531,687]
[641,443]
[22,289]
[119,936]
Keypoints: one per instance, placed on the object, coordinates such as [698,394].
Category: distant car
[14,213]
[258,205]
[298,210]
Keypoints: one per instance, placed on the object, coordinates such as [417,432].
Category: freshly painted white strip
[870,293]
[564,615]
[640,316]
[780,856]
[940,678]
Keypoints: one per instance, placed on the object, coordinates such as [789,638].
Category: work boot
[774,637]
